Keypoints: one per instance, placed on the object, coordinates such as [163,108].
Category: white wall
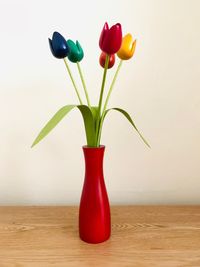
[160,87]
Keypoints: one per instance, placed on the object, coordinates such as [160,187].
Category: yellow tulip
[127,48]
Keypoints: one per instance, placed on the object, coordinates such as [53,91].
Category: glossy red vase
[94,210]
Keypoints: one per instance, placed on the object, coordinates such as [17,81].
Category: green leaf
[88,122]
[94,110]
[128,118]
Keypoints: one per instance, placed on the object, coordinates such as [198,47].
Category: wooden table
[142,236]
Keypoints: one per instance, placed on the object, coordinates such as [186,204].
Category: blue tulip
[58,46]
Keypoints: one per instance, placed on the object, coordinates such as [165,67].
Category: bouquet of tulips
[111,42]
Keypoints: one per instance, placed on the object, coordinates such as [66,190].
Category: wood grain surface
[142,236]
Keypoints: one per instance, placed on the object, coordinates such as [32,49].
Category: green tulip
[75,51]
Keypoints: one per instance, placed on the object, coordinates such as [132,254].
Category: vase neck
[94,160]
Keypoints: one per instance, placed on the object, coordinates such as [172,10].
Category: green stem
[103,83]
[106,102]
[83,82]
[73,82]
[100,129]
[112,85]
[101,94]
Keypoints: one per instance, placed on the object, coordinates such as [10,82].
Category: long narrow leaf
[53,122]
[88,122]
[122,111]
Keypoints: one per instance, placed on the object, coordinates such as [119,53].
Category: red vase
[94,210]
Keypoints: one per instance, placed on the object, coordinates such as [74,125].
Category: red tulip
[111,39]
[102,60]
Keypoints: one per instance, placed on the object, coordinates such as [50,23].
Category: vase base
[90,241]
